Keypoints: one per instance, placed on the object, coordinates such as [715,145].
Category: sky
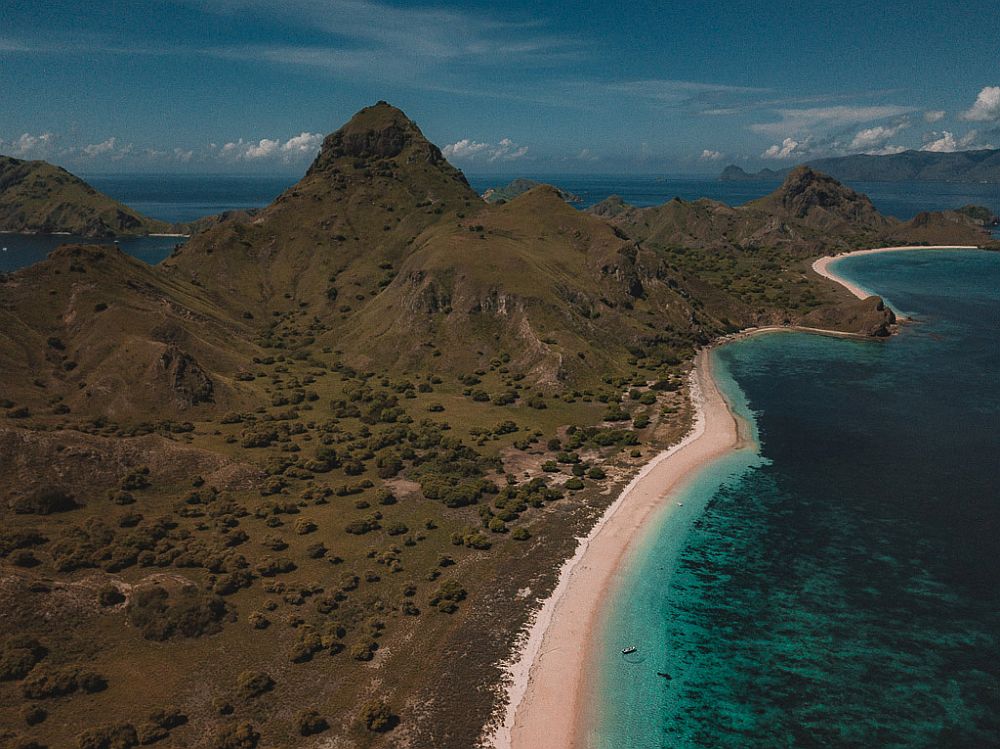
[232,86]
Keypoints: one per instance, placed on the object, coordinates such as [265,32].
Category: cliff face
[37,197]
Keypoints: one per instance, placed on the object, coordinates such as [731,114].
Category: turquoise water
[842,588]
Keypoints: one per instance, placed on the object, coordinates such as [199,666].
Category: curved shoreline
[821,266]
[546,675]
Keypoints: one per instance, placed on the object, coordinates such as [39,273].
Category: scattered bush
[109,736]
[310,722]
[34,714]
[187,613]
[448,596]
[20,654]
[377,716]
[45,502]
[252,684]
[236,736]
[110,595]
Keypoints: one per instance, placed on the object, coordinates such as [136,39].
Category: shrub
[596,473]
[236,736]
[110,595]
[109,736]
[188,613]
[396,529]
[137,479]
[45,502]
[520,534]
[44,683]
[20,654]
[448,596]
[574,484]
[377,716]
[34,714]
[250,684]
[304,526]
[310,722]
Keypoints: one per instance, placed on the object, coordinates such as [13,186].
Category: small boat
[629,649]
[663,675]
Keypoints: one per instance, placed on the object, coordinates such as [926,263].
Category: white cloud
[934,115]
[262,150]
[709,155]
[586,155]
[305,144]
[799,121]
[28,145]
[300,147]
[99,149]
[946,142]
[986,108]
[875,138]
[468,149]
[787,149]
[183,156]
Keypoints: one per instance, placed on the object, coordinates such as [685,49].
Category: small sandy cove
[546,694]
[821,266]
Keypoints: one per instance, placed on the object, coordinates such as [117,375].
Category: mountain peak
[377,132]
[821,202]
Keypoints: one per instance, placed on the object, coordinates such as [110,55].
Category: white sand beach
[822,265]
[546,693]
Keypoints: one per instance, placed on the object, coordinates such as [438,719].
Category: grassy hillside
[37,197]
[299,485]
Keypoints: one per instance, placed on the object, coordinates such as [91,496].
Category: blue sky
[512,88]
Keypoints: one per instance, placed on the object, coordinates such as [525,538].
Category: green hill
[37,197]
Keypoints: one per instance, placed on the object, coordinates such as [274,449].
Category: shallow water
[843,589]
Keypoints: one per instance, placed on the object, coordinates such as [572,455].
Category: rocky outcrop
[190,383]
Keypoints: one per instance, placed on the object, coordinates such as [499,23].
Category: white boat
[629,649]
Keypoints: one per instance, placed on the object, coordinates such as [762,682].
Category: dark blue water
[179,198]
[186,197]
[844,591]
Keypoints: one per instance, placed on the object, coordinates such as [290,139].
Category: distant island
[39,198]
[499,195]
[908,166]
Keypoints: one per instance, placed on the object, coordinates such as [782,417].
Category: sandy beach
[822,265]
[546,693]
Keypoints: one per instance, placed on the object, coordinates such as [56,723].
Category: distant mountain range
[909,166]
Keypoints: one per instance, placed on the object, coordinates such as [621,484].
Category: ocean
[839,585]
[178,198]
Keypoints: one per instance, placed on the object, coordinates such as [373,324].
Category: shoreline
[551,658]
[821,266]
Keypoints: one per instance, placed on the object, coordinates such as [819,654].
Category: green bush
[19,655]
[377,716]
[109,736]
[310,722]
[187,613]
[236,736]
[45,502]
[250,684]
